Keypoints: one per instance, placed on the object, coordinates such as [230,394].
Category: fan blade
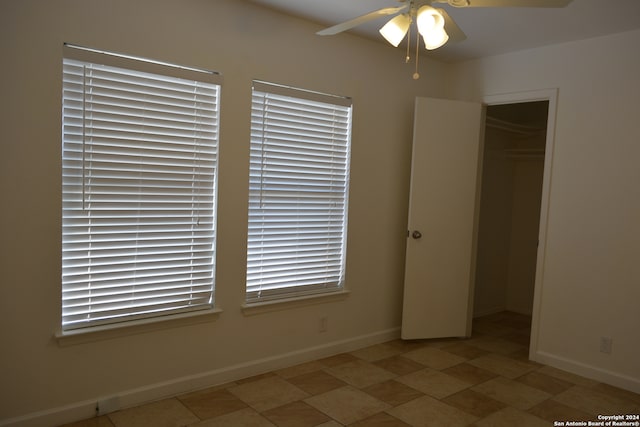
[360,20]
[506,3]
[452,29]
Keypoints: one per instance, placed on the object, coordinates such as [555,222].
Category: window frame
[170,71]
[343,111]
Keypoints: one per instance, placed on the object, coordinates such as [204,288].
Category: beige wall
[591,270]
[509,220]
[527,184]
[244,43]
[494,230]
[589,285]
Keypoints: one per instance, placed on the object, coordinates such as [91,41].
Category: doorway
[444,207]
[511,195]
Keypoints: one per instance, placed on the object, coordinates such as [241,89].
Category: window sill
[250,309]
[104,332]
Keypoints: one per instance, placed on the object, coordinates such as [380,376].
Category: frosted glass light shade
[431,27]
[435,39]
[395,30]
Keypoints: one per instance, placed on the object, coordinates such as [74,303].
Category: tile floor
[483,381]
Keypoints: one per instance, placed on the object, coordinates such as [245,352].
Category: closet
[513,164]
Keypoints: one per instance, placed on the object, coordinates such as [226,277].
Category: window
[299,180]
[139,166]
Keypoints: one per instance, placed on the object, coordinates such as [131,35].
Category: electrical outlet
[606,345]
[324,324]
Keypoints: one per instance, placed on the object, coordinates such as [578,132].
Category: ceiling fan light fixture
[396,29]
[435,39]
[428,19]
[431,27]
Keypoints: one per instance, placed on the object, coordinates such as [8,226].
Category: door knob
[416,234]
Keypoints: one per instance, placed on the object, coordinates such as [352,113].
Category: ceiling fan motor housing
[460,3]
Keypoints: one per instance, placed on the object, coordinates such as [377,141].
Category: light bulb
[428,19]
[395,30]
[425,22]
[435,39]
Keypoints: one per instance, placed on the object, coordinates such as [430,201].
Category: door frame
[550,95]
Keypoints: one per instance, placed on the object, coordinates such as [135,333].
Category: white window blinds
[299,180]
[139,184]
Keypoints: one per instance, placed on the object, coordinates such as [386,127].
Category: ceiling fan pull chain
[408,57]
[416,76]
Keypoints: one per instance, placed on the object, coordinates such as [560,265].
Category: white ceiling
[489,31]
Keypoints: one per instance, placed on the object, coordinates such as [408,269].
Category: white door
[443,217]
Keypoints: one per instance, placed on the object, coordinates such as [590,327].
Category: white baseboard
[588,371]
[129,398]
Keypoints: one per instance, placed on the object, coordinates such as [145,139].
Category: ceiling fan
[434,24]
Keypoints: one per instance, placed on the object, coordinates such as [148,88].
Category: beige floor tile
[567,376]
[102,421]
[407,345]
[496,345]
[393,392]
[347,404]
[511,318]
[434,383]
[211,403]
[442,342]
[429,412]
[316,382]
[522,338]
[212,388]
[380,420]
[332,423]
[398,384]
[303,368]
[522,355]
[618,392]
[243,418]
[338,359]
[434,358]
[502,365]
[512,393]
[474,403]
[164,413]
[376,352]
[516,320]
[551,410]
[551,385]
[594,402]
[495,329]
[360,373]
[295,414]
[525,327]
[267,393]
[255,378]
[399,365]
[469,373]
[464,350]
[510,417]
